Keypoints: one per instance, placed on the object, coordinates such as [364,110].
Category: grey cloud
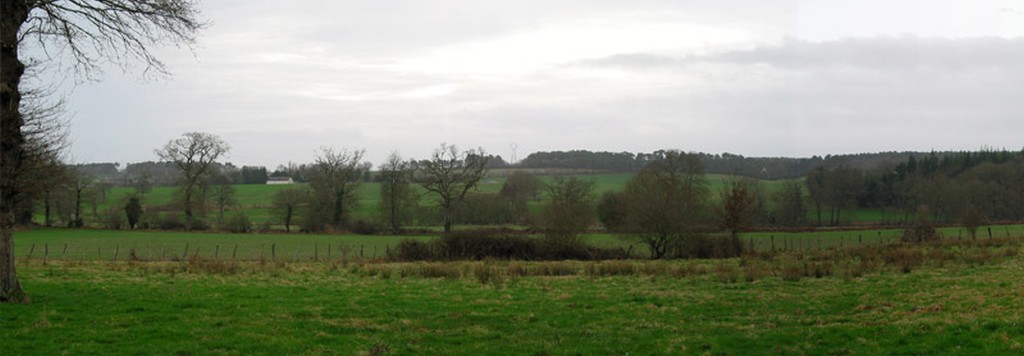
[902,53]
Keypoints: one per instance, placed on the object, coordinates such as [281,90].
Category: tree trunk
[336,220]
[288,219]
[188,206]
[394,206]
[46,209]
[818,206]
[78,208]
[447,218]
[12,143]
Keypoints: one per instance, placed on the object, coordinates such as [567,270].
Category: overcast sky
[278,79]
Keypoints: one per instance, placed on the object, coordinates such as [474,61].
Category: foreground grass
[965,300]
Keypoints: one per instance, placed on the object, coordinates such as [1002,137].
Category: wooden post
[117,250]
[46,252]
[30,251]
[860,239]
[273,252]
[328,251]
[360,251]
[234,252]
[316,252]
[989,232]
[65,253]
[184,256]
[216,251]
[773,243]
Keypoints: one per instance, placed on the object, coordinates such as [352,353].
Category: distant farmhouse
[280,180]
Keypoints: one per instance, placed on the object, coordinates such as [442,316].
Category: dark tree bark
[12,142]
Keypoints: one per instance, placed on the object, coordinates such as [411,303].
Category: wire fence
[183,249]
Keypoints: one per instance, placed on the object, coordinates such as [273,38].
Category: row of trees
[725,163]
[965,187]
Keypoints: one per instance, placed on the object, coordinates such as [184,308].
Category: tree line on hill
[969,188]
[724,163]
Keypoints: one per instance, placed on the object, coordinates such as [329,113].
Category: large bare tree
[397,198]
[667,204]
[450,175]
[92,32]
[334,178]
[193,153]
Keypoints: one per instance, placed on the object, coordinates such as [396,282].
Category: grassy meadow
[934,299]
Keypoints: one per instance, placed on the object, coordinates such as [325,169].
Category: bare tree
[519,189]
[567,214]
[450,175]
[397,196]
[667,205]
[334,178]
[286,202]
[739,209]
[193,153]
[93,32]
[790,209]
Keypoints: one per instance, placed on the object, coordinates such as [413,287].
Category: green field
[966,300]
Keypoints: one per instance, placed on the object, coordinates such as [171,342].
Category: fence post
[316,252]
[360,251]
[273,252]
[773,243]
[328,251]
[117,250]
[46,252]
[65,253]
[184,255]
[216,251]
[234,252]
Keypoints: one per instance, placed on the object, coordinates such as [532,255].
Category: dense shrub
[199,225]
[497,244]
[920,233]
[480,244]
[171,221]
[412,250]
[364,227]
[238,223]
[113,219]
